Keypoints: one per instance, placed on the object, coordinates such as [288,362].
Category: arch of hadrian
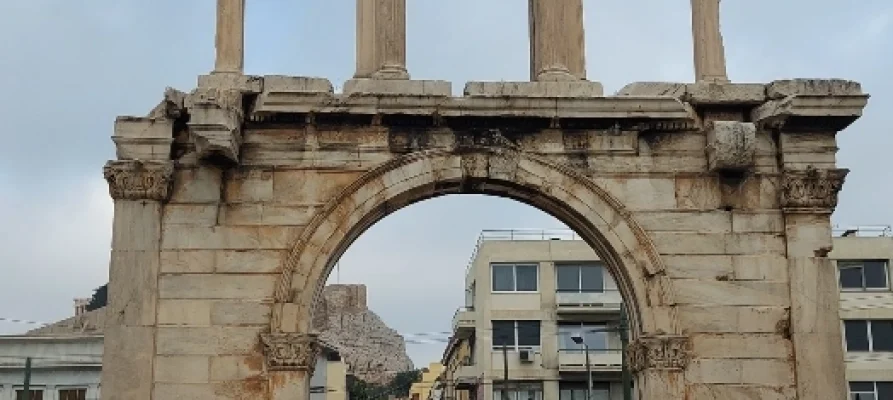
[233,201]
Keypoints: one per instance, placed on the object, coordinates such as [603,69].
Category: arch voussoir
[572,197]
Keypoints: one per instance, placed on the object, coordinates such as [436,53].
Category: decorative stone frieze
[215,120]
[811,190]
[139,180]
[290,351]
[659,352]
[731,145]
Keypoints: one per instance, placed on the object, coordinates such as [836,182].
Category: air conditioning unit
[526,356]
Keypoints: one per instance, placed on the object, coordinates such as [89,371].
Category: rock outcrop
[373,351]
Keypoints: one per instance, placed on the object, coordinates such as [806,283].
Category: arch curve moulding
[601,219]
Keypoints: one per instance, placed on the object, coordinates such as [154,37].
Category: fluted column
[710,59]
[230,40]
[557,41]
[381,39]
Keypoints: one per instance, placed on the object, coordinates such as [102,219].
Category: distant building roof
[88,323]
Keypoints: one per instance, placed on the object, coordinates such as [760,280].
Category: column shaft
[381,39]
[709,54]
[230,40]
[557,40]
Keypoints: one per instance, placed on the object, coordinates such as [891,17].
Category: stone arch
[600,219]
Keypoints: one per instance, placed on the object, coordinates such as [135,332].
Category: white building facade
[863,257]
[62,367]
[528,294]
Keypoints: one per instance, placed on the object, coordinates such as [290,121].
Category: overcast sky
[68,68]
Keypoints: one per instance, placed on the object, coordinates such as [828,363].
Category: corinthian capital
[659,352]
[811,190]
[139,180]
[290,351]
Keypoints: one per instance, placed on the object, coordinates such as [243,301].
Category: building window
[36,394]
[593,334]
[518,391]
[577,391]
[73,394]
[871,390]
[515,278]
[868,335]
[585,278]
[516,334]
[863,275]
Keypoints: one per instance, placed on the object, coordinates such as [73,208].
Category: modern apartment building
[863,256]
[527,294]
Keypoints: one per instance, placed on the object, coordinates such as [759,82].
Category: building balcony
[599,360]
[464,322]
[466,377]
[605,302]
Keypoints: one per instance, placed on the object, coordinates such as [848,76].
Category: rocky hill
[373,351]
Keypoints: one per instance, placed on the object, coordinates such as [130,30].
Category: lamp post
[578,339]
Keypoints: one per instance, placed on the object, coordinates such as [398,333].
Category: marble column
[381,39]
[709,54]
[230,40]
[557,44]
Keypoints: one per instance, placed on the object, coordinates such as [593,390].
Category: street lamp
[578,339]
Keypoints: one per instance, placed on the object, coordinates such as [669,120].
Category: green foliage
[99,298]
[399,386]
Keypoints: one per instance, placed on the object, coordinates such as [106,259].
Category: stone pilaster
[807,114]
[381,39]
[230,40]
[557,40]
[139,189]
[291,360]
[709,53]
[808,199]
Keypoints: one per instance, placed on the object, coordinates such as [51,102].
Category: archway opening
[614,238]
[460,292]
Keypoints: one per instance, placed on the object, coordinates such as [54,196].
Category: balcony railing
[574,360]
[607,299]
[519,235]
[463,321]
[863,231]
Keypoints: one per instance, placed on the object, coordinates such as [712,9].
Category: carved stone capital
[139,180]
[215,120]
[811,190]
[290,351]
[659,352]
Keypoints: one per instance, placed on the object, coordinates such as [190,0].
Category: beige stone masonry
[715,229]
[560,88]
[385,87]
[731,145]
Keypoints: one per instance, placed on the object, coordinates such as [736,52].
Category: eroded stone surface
[731,145]
[717,262]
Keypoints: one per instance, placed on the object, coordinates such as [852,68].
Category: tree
[99,298]
[402,382]
[398,386]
